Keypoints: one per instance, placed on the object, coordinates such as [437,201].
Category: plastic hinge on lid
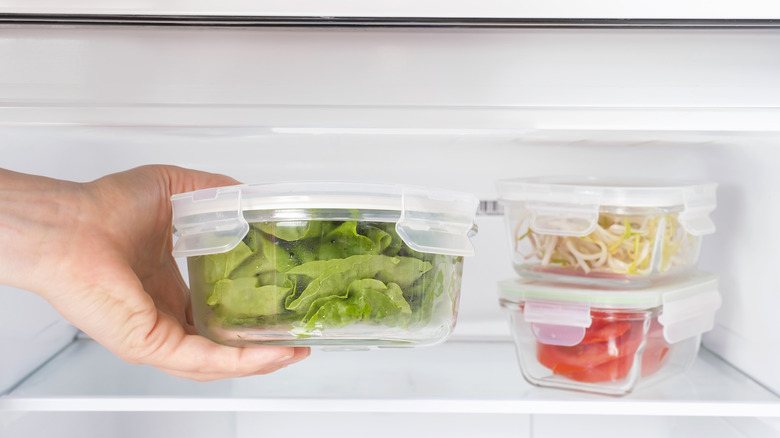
[575,211]
[437,222]
[556,324]
[685,315]
[699,202]
[208,221]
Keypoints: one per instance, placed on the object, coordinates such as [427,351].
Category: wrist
[38,216]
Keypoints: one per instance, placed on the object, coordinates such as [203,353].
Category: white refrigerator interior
[449,107]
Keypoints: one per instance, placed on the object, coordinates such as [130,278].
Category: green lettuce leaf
[332,277]
[254,265]
[321,274]
[328,284]
[215,267]
[345,241]
[367,301]
[392,291]
[295,230]
[242,297]
[396,243]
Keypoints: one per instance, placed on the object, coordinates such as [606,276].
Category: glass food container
[324,264]
[606,340]
[596,231]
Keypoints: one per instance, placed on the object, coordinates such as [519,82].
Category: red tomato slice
[654,360]
[603,332]
[585,356]
[655,354]
[607,355]
[611,371]
[607,316]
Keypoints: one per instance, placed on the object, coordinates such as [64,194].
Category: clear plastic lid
[215,220]
[686,307]
[579,200]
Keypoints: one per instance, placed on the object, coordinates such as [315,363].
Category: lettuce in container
[325,264]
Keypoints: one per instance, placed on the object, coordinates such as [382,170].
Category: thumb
[182,180]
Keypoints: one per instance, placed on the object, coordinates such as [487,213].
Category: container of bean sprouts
[588,230]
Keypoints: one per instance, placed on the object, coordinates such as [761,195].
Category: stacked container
[608,295]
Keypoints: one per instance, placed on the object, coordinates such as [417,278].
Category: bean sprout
[620,244]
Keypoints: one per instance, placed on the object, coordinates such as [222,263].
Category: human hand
[100,254]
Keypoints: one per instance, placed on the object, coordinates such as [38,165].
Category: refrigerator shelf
[456,377]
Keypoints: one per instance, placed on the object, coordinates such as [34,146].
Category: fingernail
[286,358]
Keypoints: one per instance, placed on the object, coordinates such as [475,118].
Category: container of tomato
[607,340]
[625,232]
